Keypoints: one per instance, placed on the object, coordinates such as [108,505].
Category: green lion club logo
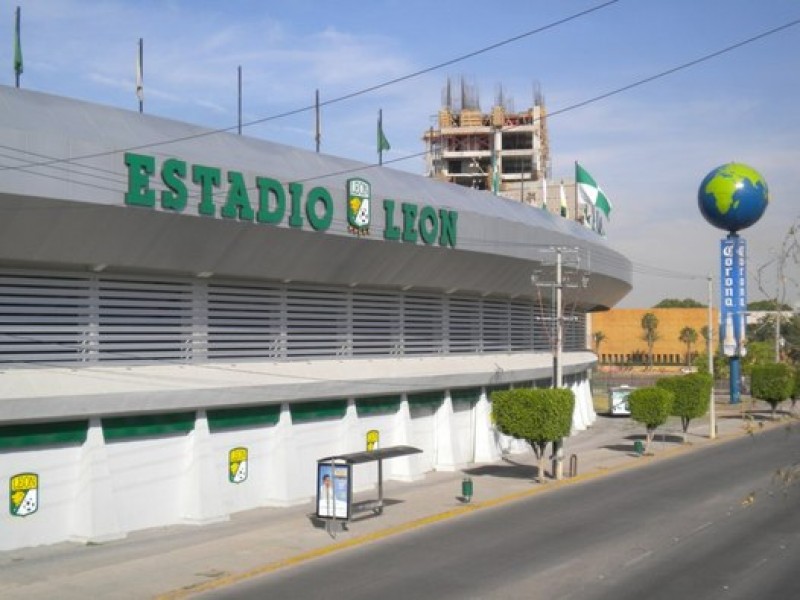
[23,492]
[359,194]
[237,465]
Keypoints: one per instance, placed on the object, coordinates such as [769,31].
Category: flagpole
[140,76]
[380,136]
[239,74]
[318,131]
[17,48]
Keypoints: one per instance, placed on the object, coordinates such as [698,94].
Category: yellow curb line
[449,514]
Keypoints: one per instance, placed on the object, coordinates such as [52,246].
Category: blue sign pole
[733,307]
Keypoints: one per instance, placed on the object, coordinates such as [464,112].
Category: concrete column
[202,495]
[446,442]
[95,508]
[403,468]
[279,462]
[487,447]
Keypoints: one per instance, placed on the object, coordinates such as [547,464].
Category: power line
[363,167]
[347,96]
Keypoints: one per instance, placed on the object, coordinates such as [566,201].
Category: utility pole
[558,319]
[558,369]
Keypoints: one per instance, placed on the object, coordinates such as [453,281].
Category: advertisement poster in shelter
[334,490]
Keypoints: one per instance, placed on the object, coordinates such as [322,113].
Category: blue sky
[648,147]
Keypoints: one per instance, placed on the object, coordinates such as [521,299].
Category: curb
[595,473]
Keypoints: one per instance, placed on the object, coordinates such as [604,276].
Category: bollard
[573,465]
[466,489]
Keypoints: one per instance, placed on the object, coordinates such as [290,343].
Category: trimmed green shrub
[691,396]
[773,383]
[539,416]
[651,407]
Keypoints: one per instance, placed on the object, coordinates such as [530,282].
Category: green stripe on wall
[433,399]
[377,405]
[62,433]
[497,388]
[249,416]
[466,395]
[118,428]
[303,412]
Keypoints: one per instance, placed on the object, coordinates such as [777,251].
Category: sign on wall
[23,492]
[373,440]
[237,465]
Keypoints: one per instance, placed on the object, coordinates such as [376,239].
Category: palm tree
[598,336]
[650,335]
[688,336]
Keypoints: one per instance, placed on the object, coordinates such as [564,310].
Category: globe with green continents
[733,197]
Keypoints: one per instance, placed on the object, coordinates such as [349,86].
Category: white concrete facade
[102,490]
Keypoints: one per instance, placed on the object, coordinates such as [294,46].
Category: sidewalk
[177,561]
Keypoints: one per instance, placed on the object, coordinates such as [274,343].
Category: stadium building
[190,319]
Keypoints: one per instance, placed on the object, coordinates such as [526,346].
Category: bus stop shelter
[334,464]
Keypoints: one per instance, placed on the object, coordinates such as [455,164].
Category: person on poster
[332,493]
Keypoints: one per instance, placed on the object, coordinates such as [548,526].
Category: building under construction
[504,151]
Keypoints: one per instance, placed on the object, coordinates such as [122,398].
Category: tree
[772,383]
[721,367]
[539,416]
[758,353]
[796,388]
[788,254]
[650,335]
[651,407]
[691,396]
[688,336]
[599,337]
[706,333]
[768,305]
[675,303]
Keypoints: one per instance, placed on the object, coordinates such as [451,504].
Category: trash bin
[466,489]
[638,447]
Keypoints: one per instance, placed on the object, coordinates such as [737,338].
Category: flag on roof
[564,207]
[383,143]
[140,72]
[17,47]
[590,192]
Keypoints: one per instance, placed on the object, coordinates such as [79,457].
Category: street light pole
[712,410]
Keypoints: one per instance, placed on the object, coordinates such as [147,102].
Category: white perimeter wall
[101,490]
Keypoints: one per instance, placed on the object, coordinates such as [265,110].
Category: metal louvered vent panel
[245,321]
[423,331]
[521,326]
[496,332]
[44,318]
[543,328]
[377,325]
[464,325]
[316,322]
[144,320]
[89,318]
[575,332]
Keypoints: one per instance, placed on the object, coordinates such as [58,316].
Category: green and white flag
[18,66]
[590,192]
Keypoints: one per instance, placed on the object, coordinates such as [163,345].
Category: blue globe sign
[733,197]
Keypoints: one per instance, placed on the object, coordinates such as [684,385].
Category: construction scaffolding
[504,151]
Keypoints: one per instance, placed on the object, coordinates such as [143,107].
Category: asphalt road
[723,522]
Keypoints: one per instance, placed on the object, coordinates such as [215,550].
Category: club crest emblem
[237,465]
[358,206]
[24,494]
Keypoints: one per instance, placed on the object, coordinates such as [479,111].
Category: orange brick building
[624,337]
